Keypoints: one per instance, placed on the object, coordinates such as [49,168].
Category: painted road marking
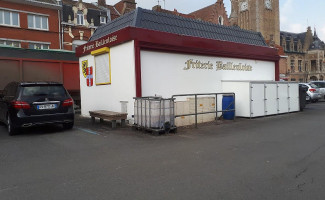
[87,131]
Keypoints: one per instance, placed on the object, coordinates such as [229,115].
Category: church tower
[257,15]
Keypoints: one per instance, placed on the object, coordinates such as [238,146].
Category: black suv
[26,104]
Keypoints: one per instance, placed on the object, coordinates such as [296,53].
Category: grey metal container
[154,112]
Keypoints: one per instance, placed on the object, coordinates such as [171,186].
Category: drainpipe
[62,27]
[59,19]
[62,33]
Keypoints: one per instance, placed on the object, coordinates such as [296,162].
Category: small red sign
[89,78]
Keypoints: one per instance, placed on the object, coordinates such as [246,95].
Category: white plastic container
[153,112]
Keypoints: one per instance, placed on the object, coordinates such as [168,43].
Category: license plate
[46,106]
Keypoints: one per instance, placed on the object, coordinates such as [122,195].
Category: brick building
[302,54]
[55,24]
[215,13]
[120,8]
[260,16]
[305,56]
[30,24]
[158,8]
[80,19]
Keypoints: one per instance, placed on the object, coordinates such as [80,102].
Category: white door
[283,100]
[294,97]
[271,101]
[257,100]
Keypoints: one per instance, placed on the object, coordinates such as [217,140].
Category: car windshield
[43,90]
[313,85]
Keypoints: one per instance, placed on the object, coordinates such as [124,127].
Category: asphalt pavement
[278,157]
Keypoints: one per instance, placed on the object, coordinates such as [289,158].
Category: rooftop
[164,22]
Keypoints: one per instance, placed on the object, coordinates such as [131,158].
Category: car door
[322,88]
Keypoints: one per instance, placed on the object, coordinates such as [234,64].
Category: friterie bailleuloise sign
[219,65]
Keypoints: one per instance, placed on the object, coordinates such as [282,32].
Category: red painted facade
[27,35]
[26,69]
[168,42]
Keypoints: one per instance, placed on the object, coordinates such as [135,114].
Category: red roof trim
[157,40]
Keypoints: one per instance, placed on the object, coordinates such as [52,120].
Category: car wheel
[68,125]
[11,129]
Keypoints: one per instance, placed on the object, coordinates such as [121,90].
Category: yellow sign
[84,67]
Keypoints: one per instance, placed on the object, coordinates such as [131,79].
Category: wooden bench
[108,115]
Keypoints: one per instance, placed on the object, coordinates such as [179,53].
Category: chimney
[102,3]
[156,8]
[129,5]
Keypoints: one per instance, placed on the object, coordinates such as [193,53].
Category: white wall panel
[122,88]
[243,99]
[163,73]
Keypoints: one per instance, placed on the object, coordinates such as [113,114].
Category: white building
[146,53]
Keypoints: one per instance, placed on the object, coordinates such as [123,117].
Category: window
[102,20]
[38,22]
[10,43]
[321,65]
[220,20]
[80,17]
[102,66]
[301,80]
[9,18]
[300,65]
[292,47]
[38,46]
[293,79]
[292,64]
[43,90]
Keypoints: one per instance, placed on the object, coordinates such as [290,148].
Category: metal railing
[216,104]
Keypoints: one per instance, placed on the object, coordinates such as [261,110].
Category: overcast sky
[295,15]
